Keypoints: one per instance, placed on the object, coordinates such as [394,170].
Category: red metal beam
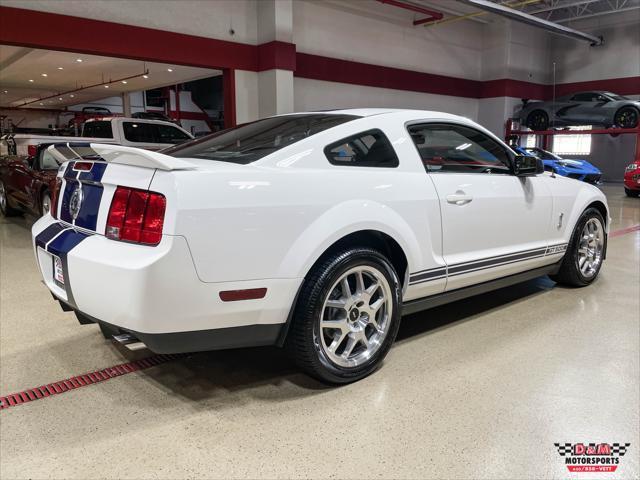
[432,15]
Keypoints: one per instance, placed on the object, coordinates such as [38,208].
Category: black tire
[631,193]
[303,343]
[538,120]
[626,117]
[5,208]
[45,195]
[570,273]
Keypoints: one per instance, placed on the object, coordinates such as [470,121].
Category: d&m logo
[592,457]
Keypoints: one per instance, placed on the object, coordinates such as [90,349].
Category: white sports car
[314,231]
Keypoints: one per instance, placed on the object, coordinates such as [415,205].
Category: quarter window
[367,149]
[455,148]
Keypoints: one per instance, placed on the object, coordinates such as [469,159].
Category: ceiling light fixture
[60,68]
[6,91]
[106,86]
[169,69]
[145,76]
[79,60]
[124,81]
[44,75]
[60,98]
[72,95]
[31,80]
[41,103]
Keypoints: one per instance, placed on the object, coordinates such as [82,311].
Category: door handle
[459,198]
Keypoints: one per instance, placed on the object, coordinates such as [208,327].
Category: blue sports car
[572,168]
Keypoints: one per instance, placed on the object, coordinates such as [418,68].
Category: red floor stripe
[83,380]
[623,231]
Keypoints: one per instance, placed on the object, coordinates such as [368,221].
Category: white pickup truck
[131,132]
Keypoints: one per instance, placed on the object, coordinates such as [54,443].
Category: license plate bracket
[58,271]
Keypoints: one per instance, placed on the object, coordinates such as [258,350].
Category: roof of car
[406,113]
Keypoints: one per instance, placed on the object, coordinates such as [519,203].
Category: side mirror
[526,165]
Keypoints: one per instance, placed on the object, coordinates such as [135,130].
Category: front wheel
[585,253]
[45,203]
[538,120]
[347,316]
[5,209]
[626,117]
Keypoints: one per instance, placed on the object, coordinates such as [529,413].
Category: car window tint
[48,161]
[455,148]
[367,149]
[169,134]
[97,129]
[585,97]
[247,143]
[139,132]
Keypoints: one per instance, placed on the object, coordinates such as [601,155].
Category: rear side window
[247,143]
[367,149]
[98,129]
[141,132]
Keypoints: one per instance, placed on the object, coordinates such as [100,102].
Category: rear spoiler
[137,157]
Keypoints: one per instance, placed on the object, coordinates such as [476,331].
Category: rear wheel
[585,253]
[631,193]
[538,120]
[626,117]
[346,317]
[6,210]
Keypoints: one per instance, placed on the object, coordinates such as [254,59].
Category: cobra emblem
[75,203]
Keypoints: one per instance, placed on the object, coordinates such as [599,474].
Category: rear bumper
[154,292]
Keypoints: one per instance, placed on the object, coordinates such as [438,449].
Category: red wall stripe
[329,69]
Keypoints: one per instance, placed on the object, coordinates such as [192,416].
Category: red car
[632,179]
[27,182]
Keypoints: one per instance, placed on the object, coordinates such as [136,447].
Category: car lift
[510,132]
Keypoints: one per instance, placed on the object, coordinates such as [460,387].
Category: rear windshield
[252,141]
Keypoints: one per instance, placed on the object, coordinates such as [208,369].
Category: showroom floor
[477,389]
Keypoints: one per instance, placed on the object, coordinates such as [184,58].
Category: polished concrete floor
[478,389]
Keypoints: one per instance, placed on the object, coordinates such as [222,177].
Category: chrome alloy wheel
[355,317]
[590,247]
[46,204]
[3,197]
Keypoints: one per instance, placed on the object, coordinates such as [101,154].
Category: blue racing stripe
[95,174]
[65,242]
[88,215]
[70,187]
[48,233]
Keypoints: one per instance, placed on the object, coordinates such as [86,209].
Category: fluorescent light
[44,74]
[106,86]
[124,81]
[169,69]
[31,80]
[60,68]
[145,76]
[79,60]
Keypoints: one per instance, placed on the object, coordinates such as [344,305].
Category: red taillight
[32,150]
[55,193]
[136,216]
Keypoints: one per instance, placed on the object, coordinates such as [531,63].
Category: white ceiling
[19,65]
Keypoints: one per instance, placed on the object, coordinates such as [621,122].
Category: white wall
[370,32]
[247,104]
[320,95]
[212,19]
[618,57]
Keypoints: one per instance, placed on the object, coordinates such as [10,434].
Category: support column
[277,57]
[126,104]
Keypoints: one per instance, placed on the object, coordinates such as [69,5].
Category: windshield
[542,154]
[252,141]
[615,96]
